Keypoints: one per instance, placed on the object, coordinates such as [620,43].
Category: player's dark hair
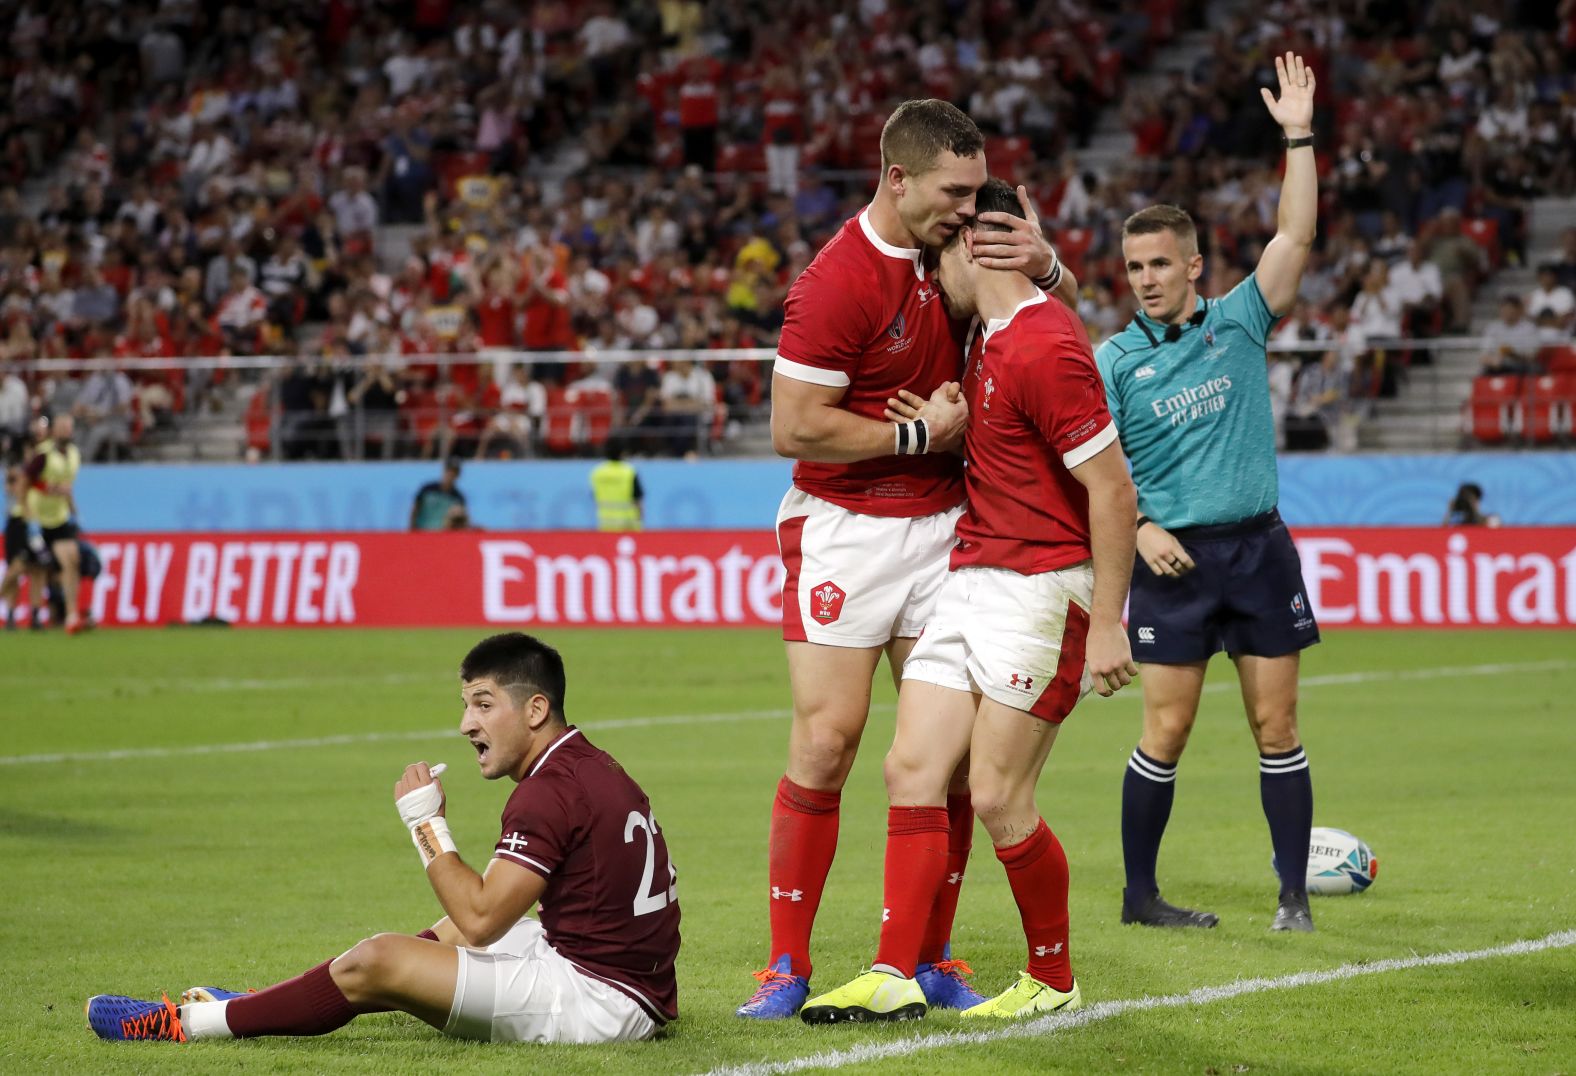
[918,132]
[522,665]
[1164,218]
[996,196]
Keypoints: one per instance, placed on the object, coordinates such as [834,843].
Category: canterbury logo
[1143,372]
[787,894]
[1146,635]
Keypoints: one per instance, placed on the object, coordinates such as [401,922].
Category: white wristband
[432,839]
[1053,275]
[911,438]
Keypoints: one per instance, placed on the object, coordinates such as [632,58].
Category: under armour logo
[886,913]
[1048,950]
[515,842]
[955,878]
[787,894]
[1022,683]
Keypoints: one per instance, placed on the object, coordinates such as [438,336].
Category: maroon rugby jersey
[610,907]
[1036,410]
[868,317]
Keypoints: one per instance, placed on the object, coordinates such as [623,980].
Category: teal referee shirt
[1194,413]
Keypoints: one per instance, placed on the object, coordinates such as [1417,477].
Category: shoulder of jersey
[1049,321]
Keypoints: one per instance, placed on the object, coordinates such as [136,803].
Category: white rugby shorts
[1017,639]
[859,580]
[520,989]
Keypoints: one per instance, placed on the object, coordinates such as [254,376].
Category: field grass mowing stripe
[185,750]
[1326,680]
[1106,1010]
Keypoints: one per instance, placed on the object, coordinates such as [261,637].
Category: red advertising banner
[1367,577]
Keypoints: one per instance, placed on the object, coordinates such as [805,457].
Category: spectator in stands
[437,502]
[1421,290]
[15,408]
[1460,262]
[1319,411]
[1552,297]
[355,212]
[522,406]
[689,397]
[103,409]
[1565,261]
[1377,309]
[375,398]
[1510,343]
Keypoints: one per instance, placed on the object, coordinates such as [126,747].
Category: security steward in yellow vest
[616,488]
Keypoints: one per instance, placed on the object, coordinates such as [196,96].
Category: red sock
[803,842]
[916,867]
[429,934]
[960,840]
[1037,872]
[309,1004]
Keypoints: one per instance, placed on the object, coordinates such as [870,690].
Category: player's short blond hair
[1164,218]
[918,132]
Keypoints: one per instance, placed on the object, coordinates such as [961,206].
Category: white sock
[887,969]
[206,1020]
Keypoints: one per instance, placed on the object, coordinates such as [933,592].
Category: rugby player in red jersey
[1029,619]
[866,529]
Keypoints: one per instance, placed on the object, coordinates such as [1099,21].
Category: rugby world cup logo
[895,330]
[1297,605]
[826,602]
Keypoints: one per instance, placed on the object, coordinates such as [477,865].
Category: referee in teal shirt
[1188,386]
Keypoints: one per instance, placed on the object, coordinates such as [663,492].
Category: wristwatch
[1297,143]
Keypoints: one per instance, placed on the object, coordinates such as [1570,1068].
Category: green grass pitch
[1452,754]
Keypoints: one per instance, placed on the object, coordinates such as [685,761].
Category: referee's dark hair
[522,665]
[918,132]
[1164,218]
[997,196]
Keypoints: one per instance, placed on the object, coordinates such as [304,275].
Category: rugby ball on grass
[1338,862]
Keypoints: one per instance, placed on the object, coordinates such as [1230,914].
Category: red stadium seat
[1558,360]
[1484,231]
[596,407]
[1492,415]
[558,431]
[1550,401]
[1006,156]
[260,421]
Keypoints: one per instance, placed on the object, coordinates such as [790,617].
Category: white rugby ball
[1338,862]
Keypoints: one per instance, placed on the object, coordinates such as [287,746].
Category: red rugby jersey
[869,317]
[1036,410]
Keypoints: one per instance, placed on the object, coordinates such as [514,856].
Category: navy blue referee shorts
[1244,596]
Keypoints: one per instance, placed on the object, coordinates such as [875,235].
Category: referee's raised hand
[1294,110]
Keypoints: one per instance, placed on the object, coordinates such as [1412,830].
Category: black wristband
[1049,281]
[1141,521]
[1297,143]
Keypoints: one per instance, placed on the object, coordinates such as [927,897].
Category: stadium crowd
[361,184]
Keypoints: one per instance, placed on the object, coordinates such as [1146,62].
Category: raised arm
[1280,267]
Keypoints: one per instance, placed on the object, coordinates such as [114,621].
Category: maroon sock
[309,1004]
[429,934]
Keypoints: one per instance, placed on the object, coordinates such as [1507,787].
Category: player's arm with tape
[482,907]
[827,325]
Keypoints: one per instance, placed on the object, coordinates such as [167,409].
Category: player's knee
[824,754]
[910,780]
[359,971]
[996,801]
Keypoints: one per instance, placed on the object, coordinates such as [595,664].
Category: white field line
[1053,1023]
[184,750]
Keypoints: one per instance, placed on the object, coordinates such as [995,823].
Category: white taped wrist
[432,839]
[911,438]
[420,804]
